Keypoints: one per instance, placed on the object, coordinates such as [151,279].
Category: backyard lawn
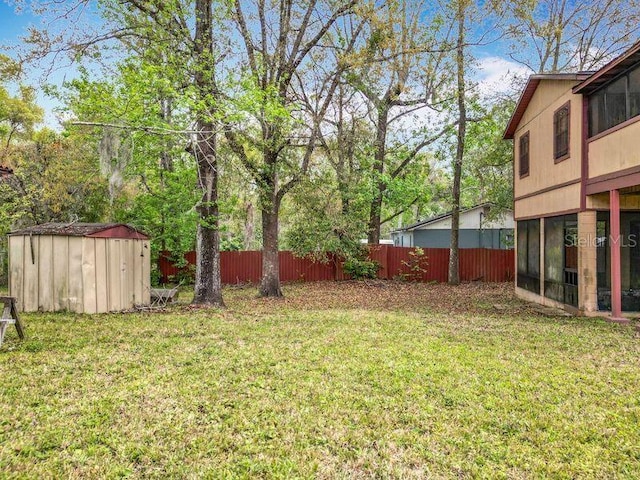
[338,380]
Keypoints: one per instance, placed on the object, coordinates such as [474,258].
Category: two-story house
[577,188]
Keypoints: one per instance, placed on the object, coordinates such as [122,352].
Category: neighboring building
[79,267]
[577,188]
[478,229]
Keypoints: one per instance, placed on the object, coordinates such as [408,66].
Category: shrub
[360,269]
[416,266]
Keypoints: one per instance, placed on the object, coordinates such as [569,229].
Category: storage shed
[79,267]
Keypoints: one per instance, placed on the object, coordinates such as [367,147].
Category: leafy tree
[283,64]
[318,223]
[488,176]
[473,24]
[18,113]
[462,18]
[55,179]
[151,177]
[399,70]
[180,42]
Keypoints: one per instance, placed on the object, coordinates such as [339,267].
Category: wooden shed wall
[79,274]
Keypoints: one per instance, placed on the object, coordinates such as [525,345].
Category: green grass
[337,381]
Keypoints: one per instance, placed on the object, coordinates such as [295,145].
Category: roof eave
[444,216]
[67,230]
[609,71]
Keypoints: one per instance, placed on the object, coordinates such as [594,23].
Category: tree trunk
[247,238]
[375,210]
[208,287]
[270,283]
[454,274]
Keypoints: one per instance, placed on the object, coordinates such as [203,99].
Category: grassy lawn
[338,380]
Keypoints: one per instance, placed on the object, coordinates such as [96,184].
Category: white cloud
[496,75]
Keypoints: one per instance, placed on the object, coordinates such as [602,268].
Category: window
[634,92]
[561,133]
[528,255]
[597,115]
[524,155]
[615,98]
[615,103]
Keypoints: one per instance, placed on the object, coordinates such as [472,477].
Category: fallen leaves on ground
[382,295]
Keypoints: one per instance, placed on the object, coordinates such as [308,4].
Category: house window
[524,155]
[561,133]
[634,93]
[615,103]
[528,255]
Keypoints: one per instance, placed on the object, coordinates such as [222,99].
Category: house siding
[615,151]
[469,238]
[597,185]
[548,203]
[544,172]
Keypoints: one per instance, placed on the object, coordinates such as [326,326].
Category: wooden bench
[9,317]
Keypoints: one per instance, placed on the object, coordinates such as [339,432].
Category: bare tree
[567,35]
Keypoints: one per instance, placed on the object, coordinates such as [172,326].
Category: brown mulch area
[473,297]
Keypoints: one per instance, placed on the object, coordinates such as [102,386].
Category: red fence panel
[241,267]
[476,264]
[380,254]
[481,264]
[294,268]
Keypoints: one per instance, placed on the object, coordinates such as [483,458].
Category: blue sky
[13,26]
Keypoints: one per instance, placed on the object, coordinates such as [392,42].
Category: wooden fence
[476,264]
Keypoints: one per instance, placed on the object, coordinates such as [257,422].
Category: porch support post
[615,240]
[587,261]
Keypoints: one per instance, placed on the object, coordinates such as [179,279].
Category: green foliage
[18,112]
[360,269]
[143,167]
[230,242]
[186,275]
[9,69]
[56,178]
[263,102]
[488,173]
[415,267]
[152,178]
[319,224]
